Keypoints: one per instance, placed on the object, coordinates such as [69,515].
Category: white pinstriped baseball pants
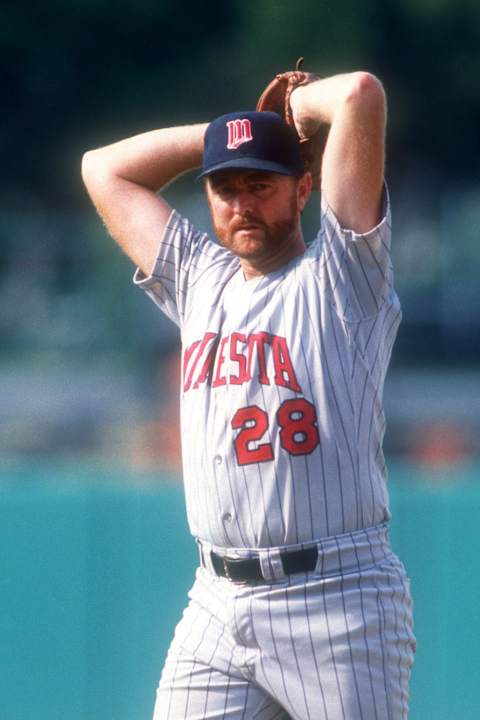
[333,644]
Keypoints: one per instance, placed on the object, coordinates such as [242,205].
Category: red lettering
[219,379]
[204,361]
[253,424]
[297,419]
[284,372]
[237,357]
[186,359]
[258,340]
[239,131]
[207,367]
[201,347]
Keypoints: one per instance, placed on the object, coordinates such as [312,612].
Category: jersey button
[218,460]
[227,517]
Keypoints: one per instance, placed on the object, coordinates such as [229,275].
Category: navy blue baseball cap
[251,140]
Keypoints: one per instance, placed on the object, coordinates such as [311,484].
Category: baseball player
[299,609]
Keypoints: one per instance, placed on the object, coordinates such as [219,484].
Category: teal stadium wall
[95,567]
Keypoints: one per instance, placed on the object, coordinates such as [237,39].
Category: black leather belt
[249,570]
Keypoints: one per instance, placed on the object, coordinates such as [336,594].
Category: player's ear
[304,188]
[208,190]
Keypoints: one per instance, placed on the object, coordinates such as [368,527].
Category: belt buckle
[232,562]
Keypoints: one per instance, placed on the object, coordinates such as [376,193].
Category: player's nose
[243,201]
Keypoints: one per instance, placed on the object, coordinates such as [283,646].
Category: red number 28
[297,420]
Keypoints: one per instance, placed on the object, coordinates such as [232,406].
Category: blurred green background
[95,554]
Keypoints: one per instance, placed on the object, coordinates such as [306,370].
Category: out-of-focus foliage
[78,74]
[427,52]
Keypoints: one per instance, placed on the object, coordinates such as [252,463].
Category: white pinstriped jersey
[281,399]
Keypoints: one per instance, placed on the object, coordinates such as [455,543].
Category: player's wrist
[307,120]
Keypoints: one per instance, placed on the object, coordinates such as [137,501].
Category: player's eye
[224,191]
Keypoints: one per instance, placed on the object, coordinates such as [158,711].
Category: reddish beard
[276,235]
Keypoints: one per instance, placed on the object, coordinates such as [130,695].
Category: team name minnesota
[262,354]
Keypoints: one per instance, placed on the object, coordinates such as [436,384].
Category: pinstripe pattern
[330,645]
[282,430]
[337,310]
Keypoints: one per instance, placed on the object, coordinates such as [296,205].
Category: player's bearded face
[254,216]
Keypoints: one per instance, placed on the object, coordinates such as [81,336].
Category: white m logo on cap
[239,131]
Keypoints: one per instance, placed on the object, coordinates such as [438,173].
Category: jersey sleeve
[355,268]
[184,257]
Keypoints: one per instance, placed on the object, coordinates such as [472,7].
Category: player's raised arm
[123,180]
[354,107]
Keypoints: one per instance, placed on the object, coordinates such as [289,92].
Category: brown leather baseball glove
[276,98]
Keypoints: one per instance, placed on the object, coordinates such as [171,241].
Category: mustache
[240,222]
